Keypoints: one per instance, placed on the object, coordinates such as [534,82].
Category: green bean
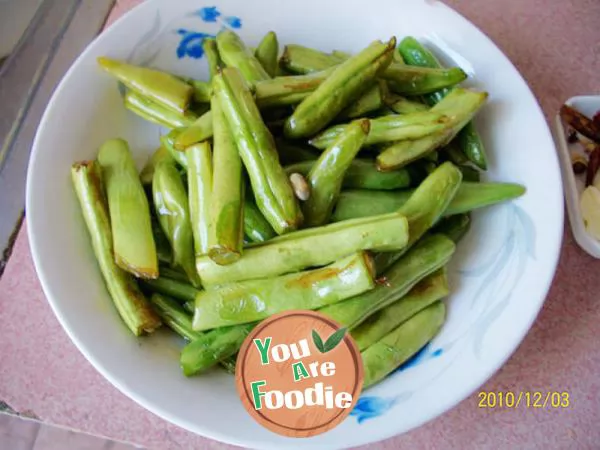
[174,316]
[303,60]
[468,139]
[199,131]
[342,56]
[354,204]
[129,301]
[327,174]
[401,105]
[396,347]
[403,78]
[472,196]
[180,290]
[311,247]
[272,189]
[234,53]
[267,53]
[427,291]
[359,203]
[211,347]
[209,45]
[147,172]
[166,141]
[157,113]
[424,208]
[200,185]
[459,107]
[348,79]
[398,58]
[369,101]
[226,232]
[363,174]
[252,300]
[430,254]
[402,153]
[160,87]
[172,208]
[288,90]
[411,80]
[414,54]
[256,227]
[390,128]
[455,227]
[133,243]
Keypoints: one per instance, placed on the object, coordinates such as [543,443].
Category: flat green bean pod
[427,291]
[160,87]
[234,53]
[347,81]
[310,247]
[395,348]
[357,203]
[157,113]
[327,174]
[252,300]
[256,146]
[390,128]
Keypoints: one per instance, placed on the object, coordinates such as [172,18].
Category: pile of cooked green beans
[333,182]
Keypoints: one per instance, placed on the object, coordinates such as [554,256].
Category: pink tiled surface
[556,46]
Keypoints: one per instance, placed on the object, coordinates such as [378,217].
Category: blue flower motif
[208,14]
[419,357]
[369,407]
[233,22]
[191,43]
[436,353]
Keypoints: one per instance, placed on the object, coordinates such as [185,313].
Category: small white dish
[574,185]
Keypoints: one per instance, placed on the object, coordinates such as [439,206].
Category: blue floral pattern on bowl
[211,21]
[191,40]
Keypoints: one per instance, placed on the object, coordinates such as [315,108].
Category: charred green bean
[132,305]
[256,146]
[311,247]
[252,300]
[133,241]
[327,174]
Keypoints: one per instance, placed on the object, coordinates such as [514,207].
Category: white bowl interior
[500,275]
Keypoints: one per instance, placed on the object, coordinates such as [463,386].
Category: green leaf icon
[334,340]
[318,341]
[331,343]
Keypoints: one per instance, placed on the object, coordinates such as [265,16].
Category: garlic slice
[590,210]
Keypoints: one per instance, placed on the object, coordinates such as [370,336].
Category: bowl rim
[198,428]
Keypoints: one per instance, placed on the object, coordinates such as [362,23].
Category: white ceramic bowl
[500,274]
